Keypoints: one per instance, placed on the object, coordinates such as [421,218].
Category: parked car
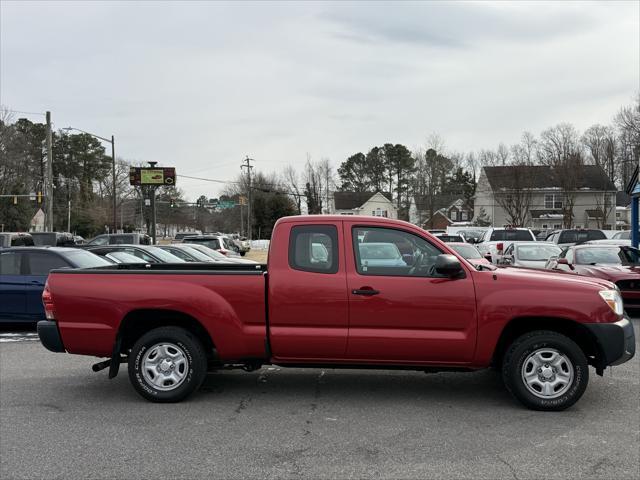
[574,236]
[79,240]
[180,235]
[53,239]
[437,312]
[16,239]
[23,272]
[146,253]
[121,239]
[617,264]
[186,252]
[375,254]
[469,253]
[218,257]
[243,244]
[542,235]
[622,243]
[214,242]
[529,254]
[495,240]
[122,257]
[445,237]
[622,235]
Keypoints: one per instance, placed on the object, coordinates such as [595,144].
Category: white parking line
[9,337]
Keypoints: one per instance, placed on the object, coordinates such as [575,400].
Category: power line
[25,113]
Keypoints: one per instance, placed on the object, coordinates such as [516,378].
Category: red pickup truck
[348,292]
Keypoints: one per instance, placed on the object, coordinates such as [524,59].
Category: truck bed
[228,300]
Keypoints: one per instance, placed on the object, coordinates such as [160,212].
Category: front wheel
[545,370]
[167,364]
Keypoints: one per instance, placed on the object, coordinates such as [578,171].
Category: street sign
[226,204]
[152,176]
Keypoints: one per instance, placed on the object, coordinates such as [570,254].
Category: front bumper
[50,336]
[617,341]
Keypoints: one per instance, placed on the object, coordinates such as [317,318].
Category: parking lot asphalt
[58,419]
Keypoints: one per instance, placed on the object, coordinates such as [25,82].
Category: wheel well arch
[574,330]
[138,322]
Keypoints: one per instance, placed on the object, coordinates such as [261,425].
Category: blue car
[23,273]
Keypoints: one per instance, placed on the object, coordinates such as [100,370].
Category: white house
[364,203]
[538,190]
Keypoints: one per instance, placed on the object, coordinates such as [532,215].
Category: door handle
[367,291]
[36,282]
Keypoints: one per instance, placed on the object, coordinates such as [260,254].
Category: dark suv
[16,239]
[575,236]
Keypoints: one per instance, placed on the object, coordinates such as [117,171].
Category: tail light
[500,246]
[47,301]
[223,251]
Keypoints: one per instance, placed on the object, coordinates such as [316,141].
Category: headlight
[613,299]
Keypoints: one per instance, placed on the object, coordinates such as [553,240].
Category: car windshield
[607,256]
[511,235]
[163,256]
[197,254]
[379,251]
[623,235]
[84,259]
[41,238]
[537,253]
[467,251]
[124,257]
[209,252]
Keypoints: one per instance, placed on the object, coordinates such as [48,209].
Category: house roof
[545,214]
[439,202]
[541,177]
[351,200]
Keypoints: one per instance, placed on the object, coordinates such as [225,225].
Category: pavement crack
[513,470]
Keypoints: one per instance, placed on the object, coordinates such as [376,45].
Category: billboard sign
[157,176]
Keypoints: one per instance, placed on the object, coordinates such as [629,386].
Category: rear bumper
[50,336]
[617,340]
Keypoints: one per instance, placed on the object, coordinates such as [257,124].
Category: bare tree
[314,179]
[515,197]
[503,154]
[524,153]
[291,182]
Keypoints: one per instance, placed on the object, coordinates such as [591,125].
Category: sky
[200,86]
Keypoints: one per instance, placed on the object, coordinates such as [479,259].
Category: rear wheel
[167,364]
[545,370]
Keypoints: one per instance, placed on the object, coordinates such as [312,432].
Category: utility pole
[153,208]
[113,172]
[249,167]
[49,212]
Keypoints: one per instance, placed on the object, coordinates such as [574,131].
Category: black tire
[193,371]
[519,352]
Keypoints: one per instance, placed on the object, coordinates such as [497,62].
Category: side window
[10,263]
[43,263]
[385,251]
[314,248]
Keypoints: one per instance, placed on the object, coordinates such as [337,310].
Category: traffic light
[172,202]
[39,197]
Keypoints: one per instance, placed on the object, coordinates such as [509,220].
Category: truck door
[307,292]
[400,309]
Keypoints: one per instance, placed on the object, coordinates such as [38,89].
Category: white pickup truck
[496,240]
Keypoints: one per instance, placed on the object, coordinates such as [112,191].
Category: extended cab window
[10,263]
[42,263]
[314,248]
[385,251]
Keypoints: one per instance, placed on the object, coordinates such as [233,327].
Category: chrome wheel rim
[547,373]
[165,366]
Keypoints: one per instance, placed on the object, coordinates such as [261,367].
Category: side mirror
[448,265]
[564,261]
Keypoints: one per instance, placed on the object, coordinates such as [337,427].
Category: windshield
[537,253]
[197,254]
[450,238]
[124,257]
[511,235]
[579,236]
[209,252]
[84,259]
[467,251]
[164,256]
[41,239]
[608,256]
